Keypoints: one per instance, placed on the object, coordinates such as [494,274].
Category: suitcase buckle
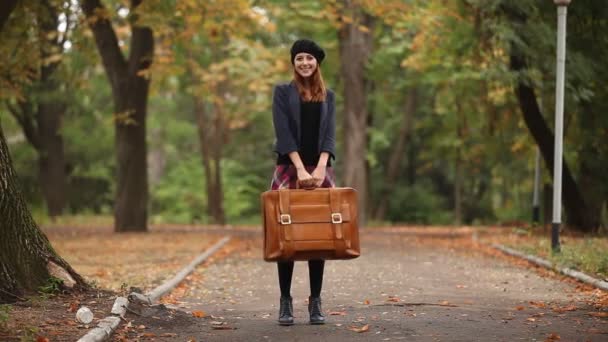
[285,219]
[336,218]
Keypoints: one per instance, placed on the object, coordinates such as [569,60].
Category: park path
[403,287]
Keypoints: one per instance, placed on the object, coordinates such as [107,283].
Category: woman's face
[305,64]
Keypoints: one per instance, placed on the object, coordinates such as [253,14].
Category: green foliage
[418,204]
[52,286]
[454,54]
[180,196]
[5,311]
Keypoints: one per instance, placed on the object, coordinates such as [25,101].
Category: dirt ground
[414,284]
[405,287]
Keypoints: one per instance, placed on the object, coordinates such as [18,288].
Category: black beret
[308,46]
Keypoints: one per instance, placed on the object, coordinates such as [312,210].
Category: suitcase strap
[336,220]
[288,246]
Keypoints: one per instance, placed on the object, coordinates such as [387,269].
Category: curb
[580,276]
[106,327]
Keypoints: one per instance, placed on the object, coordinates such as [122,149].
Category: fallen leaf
[553,337]
[337,313]
[42,339]
[531,319]
[223,327]
[393,299]
[141,327]
[73,306]
[461,286]
[444,303]
[361,329]
[366,302]
[198,314]
[599,314]
[537,304]
[520,308]
[564,309]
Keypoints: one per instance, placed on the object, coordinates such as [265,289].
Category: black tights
[315,273]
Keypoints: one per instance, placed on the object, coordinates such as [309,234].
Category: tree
[41,110]
[577,211]
[27,259]
[355,40]
[130,82]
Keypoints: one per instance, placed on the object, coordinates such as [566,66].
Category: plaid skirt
[285,176]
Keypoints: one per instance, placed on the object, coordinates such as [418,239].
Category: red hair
[315,91]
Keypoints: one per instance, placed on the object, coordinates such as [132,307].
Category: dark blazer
[286,120]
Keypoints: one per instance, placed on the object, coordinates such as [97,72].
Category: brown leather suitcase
[310,224]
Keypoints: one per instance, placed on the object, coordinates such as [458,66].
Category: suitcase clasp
[285,219]
[336,218]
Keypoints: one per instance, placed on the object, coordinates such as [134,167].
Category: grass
[585,254]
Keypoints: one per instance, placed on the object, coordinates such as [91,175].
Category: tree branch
[6,8]
[105,38]
[24,116]
[142,43]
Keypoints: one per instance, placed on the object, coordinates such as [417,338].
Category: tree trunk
[130,84]
[576,210]
[51,158]
[41,120]
[27,259]
[6,8]
[396,158]
[355,48]
[211,153]
[458,174]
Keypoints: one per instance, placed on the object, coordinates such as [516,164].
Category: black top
[310,118]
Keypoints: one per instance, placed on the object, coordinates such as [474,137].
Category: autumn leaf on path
[598,314]
[520,308]
[221,326]
[42,339]
[537,304]
[360,330]
[366,302]
[553,337]
[198,314]
[564,309]
[337,313]
[393,299]
[74,306]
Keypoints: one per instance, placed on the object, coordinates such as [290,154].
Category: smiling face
[305,64]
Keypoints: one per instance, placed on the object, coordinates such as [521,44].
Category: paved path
[400,288]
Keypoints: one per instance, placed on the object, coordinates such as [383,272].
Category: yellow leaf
[599,314]
[360,330]
[198,314]
[363,28]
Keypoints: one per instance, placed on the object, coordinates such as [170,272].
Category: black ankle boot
[314,309]
[286,311]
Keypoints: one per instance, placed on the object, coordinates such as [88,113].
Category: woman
[304,123]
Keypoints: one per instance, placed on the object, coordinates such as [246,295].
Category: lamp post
[562,11]
[535,198]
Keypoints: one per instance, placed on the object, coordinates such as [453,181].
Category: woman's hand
[305,180]
[319,175]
